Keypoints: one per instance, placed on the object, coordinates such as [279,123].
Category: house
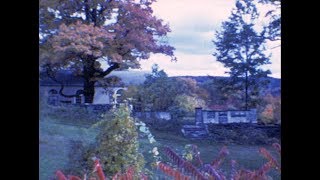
[74,85]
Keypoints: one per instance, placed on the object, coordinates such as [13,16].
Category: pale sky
[193,24]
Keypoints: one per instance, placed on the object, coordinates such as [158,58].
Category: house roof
[65,76]
[69,79]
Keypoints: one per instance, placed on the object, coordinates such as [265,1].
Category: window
[53,91]
[53,97]
[238,114]
[211,114]
[79,94]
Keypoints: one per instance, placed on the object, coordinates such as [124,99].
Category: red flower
[97,167]
[60,175]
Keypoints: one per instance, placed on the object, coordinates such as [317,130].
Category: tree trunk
[246,95]
[88,88]
[88,75]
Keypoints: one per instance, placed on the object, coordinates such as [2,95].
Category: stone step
[194,131]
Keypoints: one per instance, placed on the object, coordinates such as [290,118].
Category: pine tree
[241,49]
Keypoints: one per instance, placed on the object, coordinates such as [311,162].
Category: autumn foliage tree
[270,109]
[79,35]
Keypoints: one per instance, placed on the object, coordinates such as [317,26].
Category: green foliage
[241,49]
[118,144]
[162,93]
[155,74]
[184,105]
[192,154]
[155,94]
[273,28]
[148,146]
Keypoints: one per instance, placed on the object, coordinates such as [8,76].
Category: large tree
[80,34]
[241,49]
[273,28]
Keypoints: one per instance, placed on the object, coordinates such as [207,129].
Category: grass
[55,146]
[247,156]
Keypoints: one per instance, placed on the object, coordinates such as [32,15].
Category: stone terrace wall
[231,116]
[150,115]
[207,116]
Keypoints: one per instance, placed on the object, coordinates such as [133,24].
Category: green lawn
[247,156]
[55,146]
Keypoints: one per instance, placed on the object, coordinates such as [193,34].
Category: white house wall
[101,96]
[44,92]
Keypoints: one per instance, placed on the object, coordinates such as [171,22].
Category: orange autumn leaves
[81,39]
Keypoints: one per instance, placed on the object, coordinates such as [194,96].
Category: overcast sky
[193,24]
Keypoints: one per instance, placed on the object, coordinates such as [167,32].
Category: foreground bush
[191,167]
[117,144]
[98,174]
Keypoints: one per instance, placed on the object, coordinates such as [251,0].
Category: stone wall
[56,98]
[206,116]
[198,130]
[231,116]
[151,115]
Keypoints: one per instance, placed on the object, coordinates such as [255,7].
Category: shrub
[185,170]
[98,174]
[117,144]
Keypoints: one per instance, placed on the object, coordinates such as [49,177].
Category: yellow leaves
[268,114]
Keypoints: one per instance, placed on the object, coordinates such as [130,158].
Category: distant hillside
[202,79]
[130,77]
[274,86]
[274,82]
[138,77]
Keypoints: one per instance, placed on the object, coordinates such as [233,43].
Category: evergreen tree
[241,49]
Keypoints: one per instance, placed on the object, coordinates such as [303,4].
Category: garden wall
[208,116]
